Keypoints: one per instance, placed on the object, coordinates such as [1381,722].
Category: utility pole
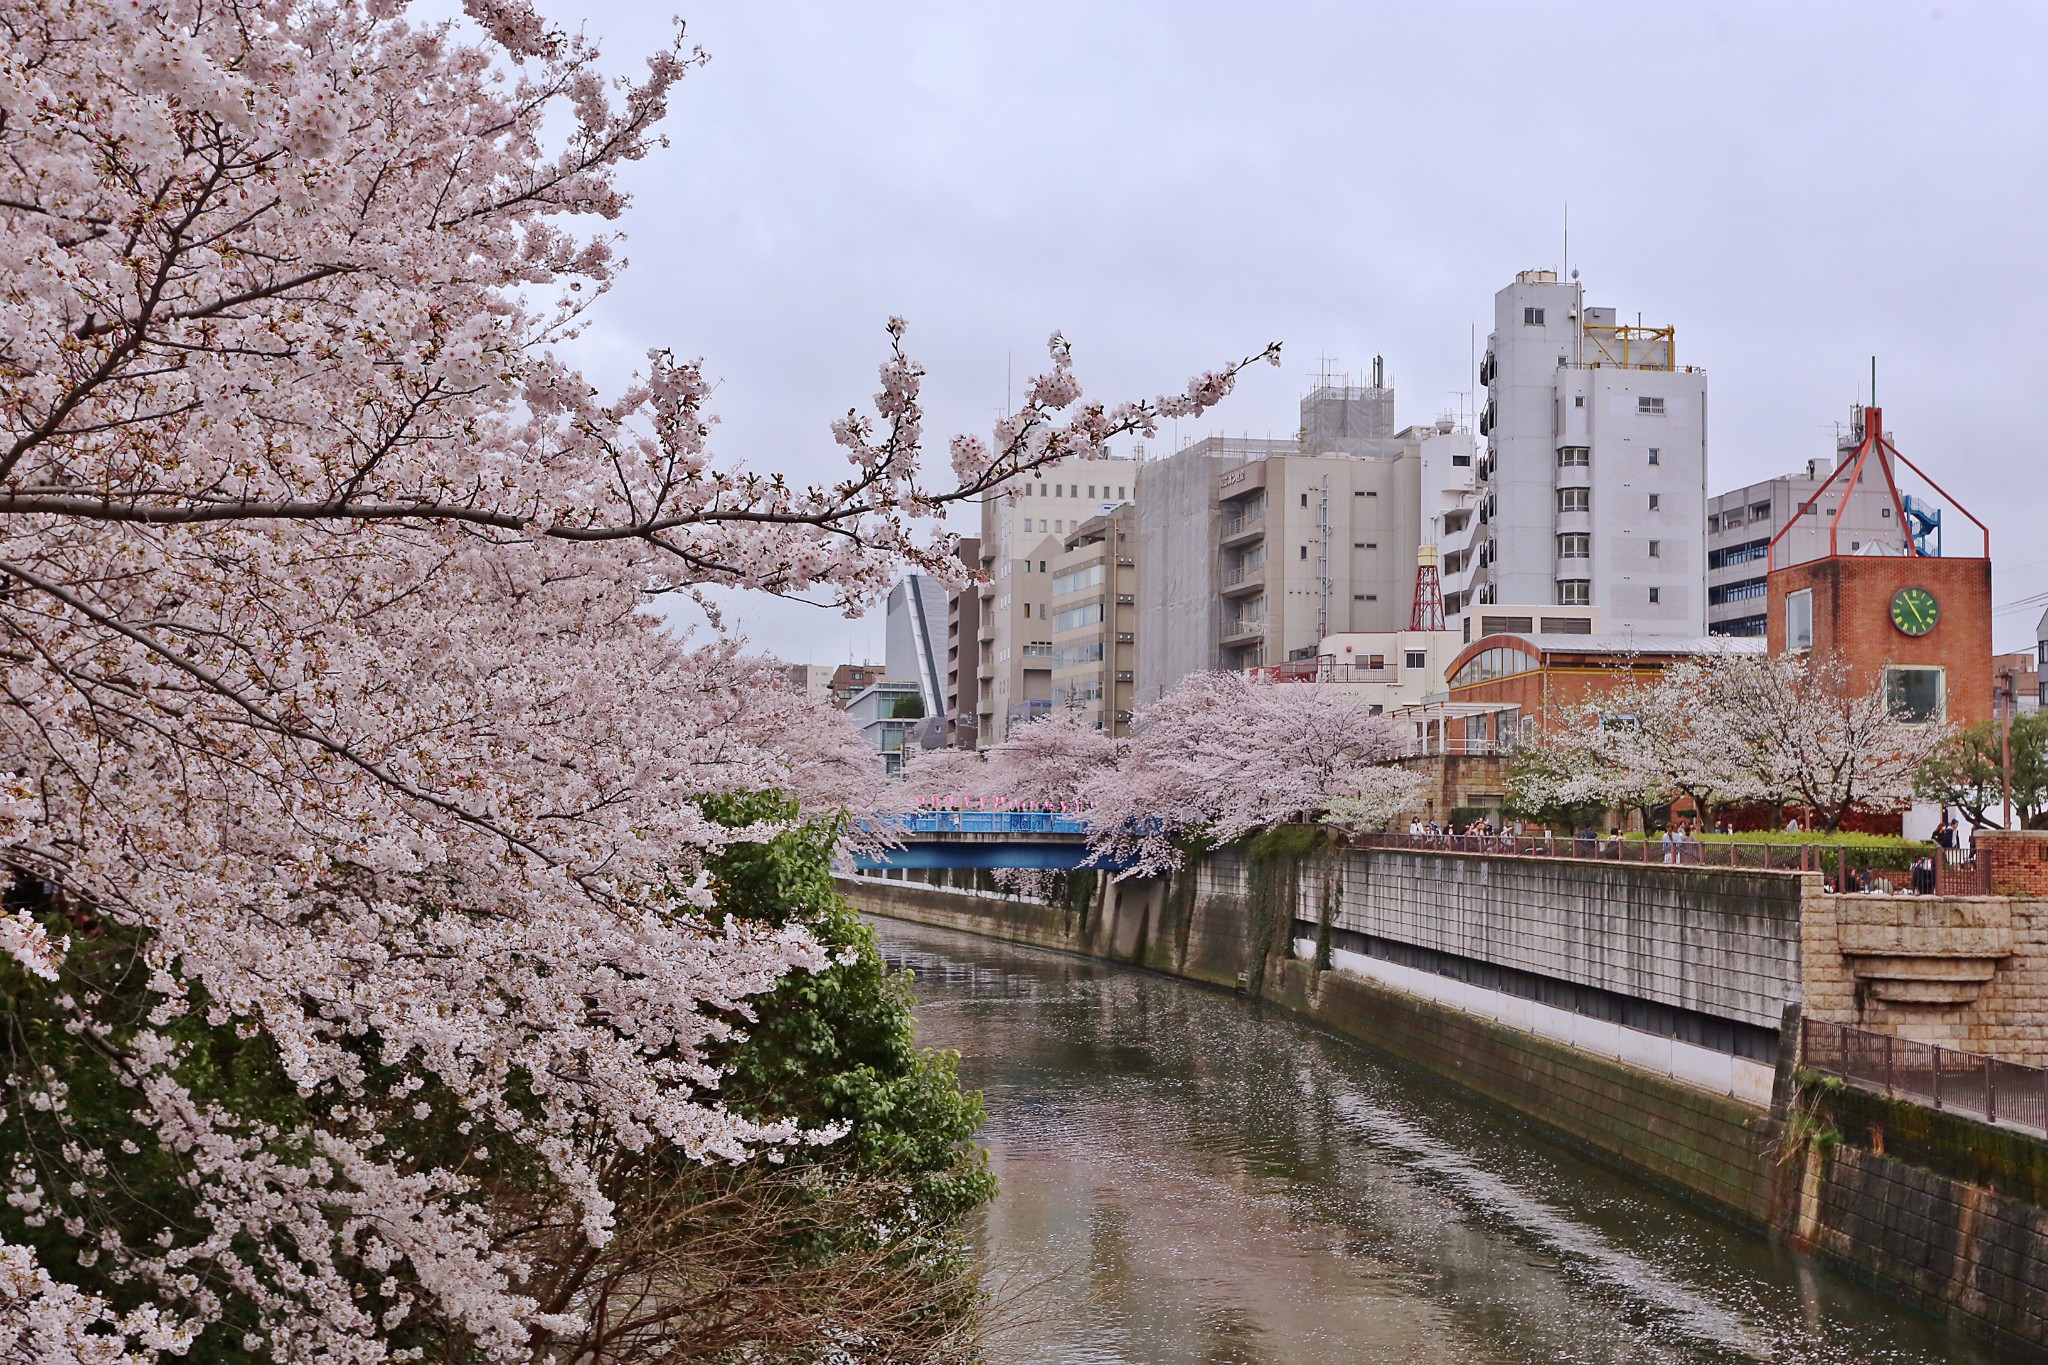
[2005,741]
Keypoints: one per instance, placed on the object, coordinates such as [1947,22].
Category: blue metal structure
[985,838]
[1924,524]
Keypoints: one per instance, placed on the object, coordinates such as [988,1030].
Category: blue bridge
[984,838]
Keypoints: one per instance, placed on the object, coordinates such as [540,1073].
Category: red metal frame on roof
[1874,441]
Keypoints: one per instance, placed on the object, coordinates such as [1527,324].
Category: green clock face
[1914,611]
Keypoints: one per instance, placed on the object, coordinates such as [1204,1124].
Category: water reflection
[1185,1179]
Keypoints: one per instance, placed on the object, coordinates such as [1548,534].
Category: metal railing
[1844,866]
[990,822]
[1321,670]
[1238,525]
[1968,1082]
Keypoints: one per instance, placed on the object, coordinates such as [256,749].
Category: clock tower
[1917,623]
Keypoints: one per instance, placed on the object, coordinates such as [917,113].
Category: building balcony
[1243,630]
[1243,529]
[1035,656]
[1574,521]
[1240,579]
[1574,476]
[1572,566]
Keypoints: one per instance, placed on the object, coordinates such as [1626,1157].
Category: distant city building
[1387,669]
[914,628]
[2041,658]
[850,680]
[963,651]
[1740,525]
[1252,552]
[874,712]
[1024,526]
[1593,487]
[813,680]
[1094,620]
[2023,673]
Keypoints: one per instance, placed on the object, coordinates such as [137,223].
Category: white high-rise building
[1593,490]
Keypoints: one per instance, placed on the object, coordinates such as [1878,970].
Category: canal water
[1189,1178]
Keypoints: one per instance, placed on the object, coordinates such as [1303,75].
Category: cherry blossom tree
[1048,763]
[1223,756]
[1731,728]
[1646,742]
[340,750]
[1820,740]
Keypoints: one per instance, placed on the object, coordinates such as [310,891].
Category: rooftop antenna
[1567,238]
[1873,381]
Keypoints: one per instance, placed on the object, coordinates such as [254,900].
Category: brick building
[1917,624]
[1523,680]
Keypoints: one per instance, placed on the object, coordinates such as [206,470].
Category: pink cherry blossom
[330,676]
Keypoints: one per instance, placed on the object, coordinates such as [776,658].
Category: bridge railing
[991,822]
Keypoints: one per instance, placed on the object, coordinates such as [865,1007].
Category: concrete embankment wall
[1949,1212]
[1946,1211]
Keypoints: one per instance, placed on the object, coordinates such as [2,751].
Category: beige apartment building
[1252,552]
[963,654]
[1094,620]
[1024,528]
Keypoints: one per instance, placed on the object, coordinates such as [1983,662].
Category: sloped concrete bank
[1950,1213]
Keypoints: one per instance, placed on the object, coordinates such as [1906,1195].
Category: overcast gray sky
[1795,187]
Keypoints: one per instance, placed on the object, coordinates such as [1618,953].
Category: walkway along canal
[1189,1176]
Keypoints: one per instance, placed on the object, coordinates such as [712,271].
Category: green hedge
[1878,852]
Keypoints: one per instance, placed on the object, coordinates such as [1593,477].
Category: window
[1532,317]
[1574,457]
[1799,619]
[1120,491]
[1576,545]
[1365,597]
[1304,552]
[1365,545]
[1091,490]
[1759,511]
[1059,490]
[1884,512]
[1656,501]
[1574,499]
[1041,566]
[1076,618]
[1575,592]
[1647,406]
[1074,580]
[1656,455]
[1578,400]
[1656,550]
[1913,694]
[1415,658]
[1375,661]
[1656,596]
[1075,655]
[1713,523]
[1304,499]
